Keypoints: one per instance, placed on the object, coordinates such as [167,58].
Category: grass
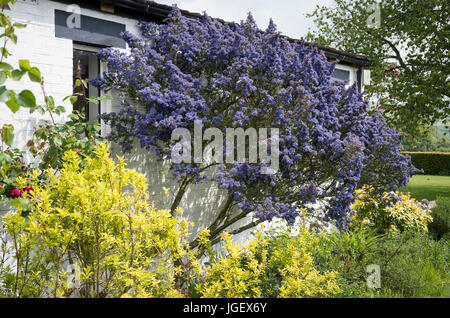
[428,187]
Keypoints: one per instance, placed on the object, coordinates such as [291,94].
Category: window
[345,73]
[87,66]
[341,75]
[91,67]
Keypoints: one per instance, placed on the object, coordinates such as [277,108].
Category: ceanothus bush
[236,75]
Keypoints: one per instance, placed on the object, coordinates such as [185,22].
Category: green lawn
[428,187]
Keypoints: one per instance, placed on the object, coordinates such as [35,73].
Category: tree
[230,75]
[408,40]
[431,139]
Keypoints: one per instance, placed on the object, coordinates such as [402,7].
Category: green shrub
[434,163]
[440,227]
[347,253]
[413,265]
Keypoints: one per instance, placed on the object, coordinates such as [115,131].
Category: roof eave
[144,9]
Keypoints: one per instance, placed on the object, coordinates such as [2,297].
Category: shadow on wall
[201,203]
[24,124]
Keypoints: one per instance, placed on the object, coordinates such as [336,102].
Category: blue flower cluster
[236,75]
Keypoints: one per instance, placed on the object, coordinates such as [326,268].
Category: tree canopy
[236,75]
[409,42]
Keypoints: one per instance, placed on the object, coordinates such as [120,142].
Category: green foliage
[348,248]
[348,254]
[434,139]
[12,99]
[11,166]
[51,139]
[440,227]
[413,265]
[434,163]
[410,48]
[269,265]
[94,219]
[7,134]
[384,216]
[11,160]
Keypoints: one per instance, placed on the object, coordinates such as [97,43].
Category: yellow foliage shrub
[405,214]
[91,232]
[268,266]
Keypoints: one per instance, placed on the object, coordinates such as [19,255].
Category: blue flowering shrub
[230,75]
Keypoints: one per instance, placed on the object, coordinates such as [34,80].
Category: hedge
[434,163]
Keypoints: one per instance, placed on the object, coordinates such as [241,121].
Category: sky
[288,15]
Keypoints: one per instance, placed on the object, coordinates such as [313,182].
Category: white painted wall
[53,56]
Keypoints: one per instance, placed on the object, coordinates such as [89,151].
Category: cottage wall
[54,57]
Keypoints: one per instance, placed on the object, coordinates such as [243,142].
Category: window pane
[85,65]
[340,75]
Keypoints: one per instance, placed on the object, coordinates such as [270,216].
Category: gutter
[152,11]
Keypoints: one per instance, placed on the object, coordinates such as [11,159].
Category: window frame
[352,76]
[93,91]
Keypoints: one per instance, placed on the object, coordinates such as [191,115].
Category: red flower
[28,189]
[76,150]
[15,193]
